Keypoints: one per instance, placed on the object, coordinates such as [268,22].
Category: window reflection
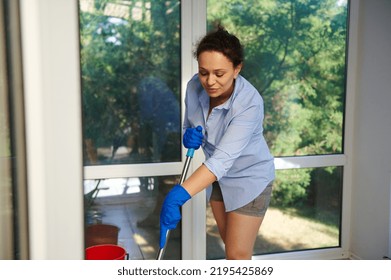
[159,131]
[130,60]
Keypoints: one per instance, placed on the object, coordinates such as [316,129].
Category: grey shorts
[256,208]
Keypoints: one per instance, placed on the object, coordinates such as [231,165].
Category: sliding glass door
[131,90]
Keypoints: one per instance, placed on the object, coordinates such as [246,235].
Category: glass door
[6,248]
[295,55]
[13,193]
[131,91]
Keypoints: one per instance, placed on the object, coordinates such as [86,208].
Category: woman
[239,170]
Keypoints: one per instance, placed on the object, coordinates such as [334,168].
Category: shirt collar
[228,104]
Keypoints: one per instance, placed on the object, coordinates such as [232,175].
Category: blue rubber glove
[192,139]
[171,212]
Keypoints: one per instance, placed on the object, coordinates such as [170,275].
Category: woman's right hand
[192,139]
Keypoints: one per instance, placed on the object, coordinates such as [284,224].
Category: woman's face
[217,73]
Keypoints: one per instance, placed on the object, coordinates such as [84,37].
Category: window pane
[6,157]
[130,56]
[133,206]
[295,57]
[304,213]
[13,178]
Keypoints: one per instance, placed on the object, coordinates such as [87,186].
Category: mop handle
[189,156]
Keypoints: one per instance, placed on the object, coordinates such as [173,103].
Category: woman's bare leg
[240,234]
[237,231]
[218,210]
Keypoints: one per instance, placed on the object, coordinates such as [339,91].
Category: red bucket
[105,252]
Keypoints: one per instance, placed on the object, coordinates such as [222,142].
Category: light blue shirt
[234,147]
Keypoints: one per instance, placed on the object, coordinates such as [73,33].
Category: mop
[189,156]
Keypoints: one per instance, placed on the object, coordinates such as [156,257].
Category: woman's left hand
[171,213]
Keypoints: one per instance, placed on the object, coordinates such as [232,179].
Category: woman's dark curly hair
[223,42]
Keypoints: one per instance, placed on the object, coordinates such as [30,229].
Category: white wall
[53,128]
[370,213]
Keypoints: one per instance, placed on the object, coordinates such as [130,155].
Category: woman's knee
[237,253]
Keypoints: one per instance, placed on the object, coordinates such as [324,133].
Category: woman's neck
[217,101]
